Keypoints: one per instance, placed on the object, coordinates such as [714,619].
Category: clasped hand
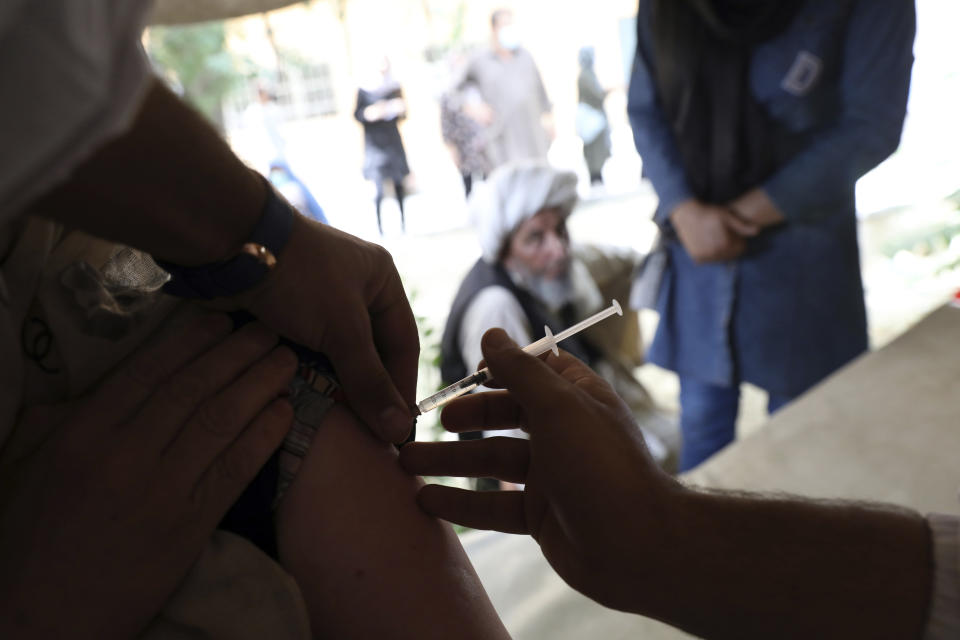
[343,297]
[714,233]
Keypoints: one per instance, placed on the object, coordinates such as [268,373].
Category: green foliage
[459,24]
[448,27]
[925,240]
[194,58]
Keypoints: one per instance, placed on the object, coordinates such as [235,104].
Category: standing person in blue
[380,106]
[755,120]
[292,188]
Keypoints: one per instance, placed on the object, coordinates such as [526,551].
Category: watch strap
[257,257]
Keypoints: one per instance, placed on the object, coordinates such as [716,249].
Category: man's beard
[574,285]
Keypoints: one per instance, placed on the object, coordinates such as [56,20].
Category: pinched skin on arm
[369,562]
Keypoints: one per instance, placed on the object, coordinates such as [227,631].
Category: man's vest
[481,276]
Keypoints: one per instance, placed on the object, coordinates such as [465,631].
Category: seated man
[529,277]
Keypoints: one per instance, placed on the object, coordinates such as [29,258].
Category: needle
[544,344]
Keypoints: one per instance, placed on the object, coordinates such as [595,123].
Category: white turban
[514,193]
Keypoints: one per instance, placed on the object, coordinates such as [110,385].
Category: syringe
[544,344]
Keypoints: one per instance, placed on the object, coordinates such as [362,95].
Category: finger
[496,510]
[498,457]
[734,248]
[220,420]
[396,336]
[534,384]
[176,400]
[569,369]
[236,467]
[740,226]
[139,376]
[701,256]
[491,383]
[365,323]
[573,369]
[483,411]
[366,382]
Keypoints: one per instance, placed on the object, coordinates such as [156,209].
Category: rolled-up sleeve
[75,74]
[874,84]
[944,617]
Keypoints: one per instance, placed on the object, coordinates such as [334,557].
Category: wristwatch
[244,271]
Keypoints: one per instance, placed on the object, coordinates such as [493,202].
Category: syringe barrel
[614,308]
[547,343]
[454,391]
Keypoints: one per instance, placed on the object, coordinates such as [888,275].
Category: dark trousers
[399,192]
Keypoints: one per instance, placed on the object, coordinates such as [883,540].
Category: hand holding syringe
[544,344]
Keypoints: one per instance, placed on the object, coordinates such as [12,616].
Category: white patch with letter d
[803,74]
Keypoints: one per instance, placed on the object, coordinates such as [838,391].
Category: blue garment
[708,419]
[791,310]
[313,208]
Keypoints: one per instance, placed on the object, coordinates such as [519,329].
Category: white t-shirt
[494,306]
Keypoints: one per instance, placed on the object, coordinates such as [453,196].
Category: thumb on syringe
[534,384]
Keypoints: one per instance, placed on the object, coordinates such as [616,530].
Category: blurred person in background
[262,120]
[464,118]
[521,121]
[754,121]
[591,120]
[380,107]
[528,276]
[285,181]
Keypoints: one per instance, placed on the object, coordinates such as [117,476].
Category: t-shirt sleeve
[75,73]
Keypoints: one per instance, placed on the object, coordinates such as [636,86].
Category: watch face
[263,255]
